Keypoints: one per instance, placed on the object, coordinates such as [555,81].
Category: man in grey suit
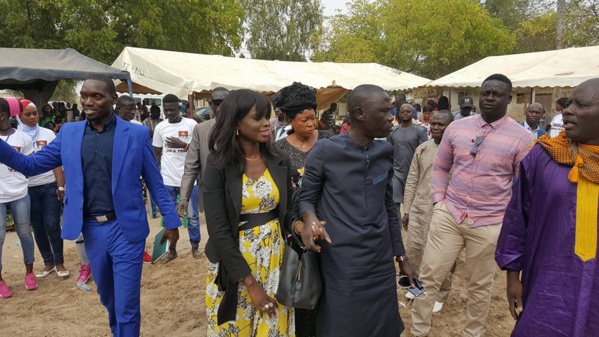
[197,154]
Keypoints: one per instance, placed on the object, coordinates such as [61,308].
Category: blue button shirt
[96,156]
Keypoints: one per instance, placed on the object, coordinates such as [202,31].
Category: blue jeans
[153,206]
[193,223]
[20,213]
[116,267]
[146,194]
[45,219]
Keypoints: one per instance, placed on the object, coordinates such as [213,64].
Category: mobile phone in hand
[417,291]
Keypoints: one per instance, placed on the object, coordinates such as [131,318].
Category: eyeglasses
[477,141]
[216,102]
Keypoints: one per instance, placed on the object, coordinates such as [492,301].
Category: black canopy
[35,72]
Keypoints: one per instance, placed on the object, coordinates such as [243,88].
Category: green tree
[65,92]
[537,34]
[355,36]
[510,12]
[446,36]
[581,23]
[102,28]
[541,32]
[283,30]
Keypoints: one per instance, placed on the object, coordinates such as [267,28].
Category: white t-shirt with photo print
[45,137]
[173,159]
[13,185]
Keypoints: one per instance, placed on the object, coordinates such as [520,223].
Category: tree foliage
[581,23]
[537,34]
[449,36]
[102,28]
[580,28]
[283,30]
[65,91]
[355,36]
[510,12]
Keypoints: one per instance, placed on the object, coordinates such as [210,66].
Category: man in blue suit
[534,113]
[103,158]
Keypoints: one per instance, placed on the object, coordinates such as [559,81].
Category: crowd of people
[507,194]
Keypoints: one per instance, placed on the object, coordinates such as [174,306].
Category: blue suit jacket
[132,157]
[539,131]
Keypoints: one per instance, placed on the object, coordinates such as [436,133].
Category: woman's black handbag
[300,284]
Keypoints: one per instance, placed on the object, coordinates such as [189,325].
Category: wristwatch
[402,258]
[61,188]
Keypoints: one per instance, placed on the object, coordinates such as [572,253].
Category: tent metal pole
[190,98]
[130,87]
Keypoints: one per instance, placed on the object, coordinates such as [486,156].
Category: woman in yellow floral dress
[247,189]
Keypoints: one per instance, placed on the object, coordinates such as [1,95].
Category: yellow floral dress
[262,247]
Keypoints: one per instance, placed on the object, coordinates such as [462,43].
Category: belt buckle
[102,218]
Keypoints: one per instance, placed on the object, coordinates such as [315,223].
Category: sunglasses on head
[477,141]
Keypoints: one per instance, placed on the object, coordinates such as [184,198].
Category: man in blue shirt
[103,158]
[534,113]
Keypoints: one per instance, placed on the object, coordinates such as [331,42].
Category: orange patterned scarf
[584,160]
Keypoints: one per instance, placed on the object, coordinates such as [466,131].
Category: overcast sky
[331,5]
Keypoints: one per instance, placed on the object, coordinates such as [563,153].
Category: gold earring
[237,132]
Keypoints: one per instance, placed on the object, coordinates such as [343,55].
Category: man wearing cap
[466,108]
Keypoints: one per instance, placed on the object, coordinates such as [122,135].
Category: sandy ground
[172,299]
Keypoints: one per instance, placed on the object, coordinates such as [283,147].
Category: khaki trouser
[416,242]
[445,241]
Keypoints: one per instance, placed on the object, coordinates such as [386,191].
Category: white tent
[554,68]
[183,74]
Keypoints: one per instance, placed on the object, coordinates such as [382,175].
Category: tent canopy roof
[185,73]
[36,72]
[22,68]
[554,68]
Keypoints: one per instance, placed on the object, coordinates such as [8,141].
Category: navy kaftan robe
[351,187]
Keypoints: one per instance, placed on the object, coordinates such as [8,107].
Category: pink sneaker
[85,273]
[4,291]
[30,282]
